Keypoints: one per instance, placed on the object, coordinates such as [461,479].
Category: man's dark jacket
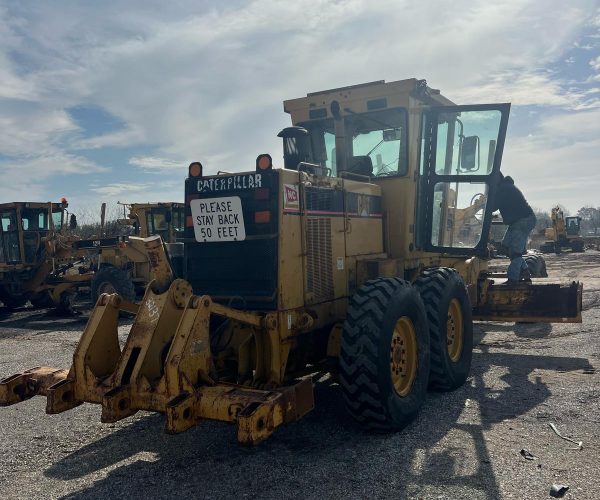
[511,202]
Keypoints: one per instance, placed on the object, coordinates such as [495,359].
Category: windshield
[377,138]
[34,219]
[381,136]
[179,219]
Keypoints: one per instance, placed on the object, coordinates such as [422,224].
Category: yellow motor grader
[37,260]
[167,219]
[345,259]
[121,262]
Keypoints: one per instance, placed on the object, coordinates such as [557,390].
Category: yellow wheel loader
[345,261]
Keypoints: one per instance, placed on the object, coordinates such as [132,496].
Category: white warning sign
[218,219]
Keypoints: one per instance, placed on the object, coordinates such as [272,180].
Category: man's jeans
[515,240]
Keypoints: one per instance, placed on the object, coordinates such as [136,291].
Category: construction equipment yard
[463,444]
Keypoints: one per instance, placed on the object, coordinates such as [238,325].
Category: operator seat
[361,165]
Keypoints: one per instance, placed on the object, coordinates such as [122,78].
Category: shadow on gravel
[325,455]
[19,322]
[42,320]
[523,329]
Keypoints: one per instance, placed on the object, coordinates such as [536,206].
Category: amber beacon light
[195,169]
[264,162]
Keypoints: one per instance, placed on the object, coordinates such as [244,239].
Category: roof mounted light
[264,162]
[195,169]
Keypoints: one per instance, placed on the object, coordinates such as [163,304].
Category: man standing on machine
[520,219]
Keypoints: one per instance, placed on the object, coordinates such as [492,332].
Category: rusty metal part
[540,302]
[35,381]
[166,365]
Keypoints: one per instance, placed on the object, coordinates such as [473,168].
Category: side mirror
[469,153]
[72,221]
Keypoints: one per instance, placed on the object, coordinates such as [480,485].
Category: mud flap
[538,302]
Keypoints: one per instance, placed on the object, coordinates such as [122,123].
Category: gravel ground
[464,444]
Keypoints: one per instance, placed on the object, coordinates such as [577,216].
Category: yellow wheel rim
[455,330]
[403,356]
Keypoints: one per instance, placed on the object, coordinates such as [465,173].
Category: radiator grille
[319,272]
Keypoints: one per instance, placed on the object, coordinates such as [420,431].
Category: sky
[110,101]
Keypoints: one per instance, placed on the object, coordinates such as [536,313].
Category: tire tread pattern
[431,285]
[359,353]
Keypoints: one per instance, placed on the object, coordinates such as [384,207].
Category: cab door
[460,162]
[10,252]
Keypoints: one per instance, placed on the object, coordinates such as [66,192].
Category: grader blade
[537,302]
[165,366]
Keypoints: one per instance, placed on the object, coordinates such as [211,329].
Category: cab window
[378,139]
[34,219]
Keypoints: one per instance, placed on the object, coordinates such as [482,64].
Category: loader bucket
[165,366]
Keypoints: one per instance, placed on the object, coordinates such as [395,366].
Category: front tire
[450,319]
[384,358]
[110,279]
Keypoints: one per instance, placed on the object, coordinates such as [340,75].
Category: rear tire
[11,301]
[384,358]
[450,319]
[42,300]
[110,279]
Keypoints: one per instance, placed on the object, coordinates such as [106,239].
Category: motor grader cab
[346,261]
[565,232]
[167,219]
[37,261]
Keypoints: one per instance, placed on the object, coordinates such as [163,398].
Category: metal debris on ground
[558,490]
[578,443]
[527,455]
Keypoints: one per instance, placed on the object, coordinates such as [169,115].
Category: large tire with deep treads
[380,392]
[12,301]
[450,319]
[41,300]
[536,265]
[111,279]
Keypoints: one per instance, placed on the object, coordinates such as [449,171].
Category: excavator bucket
[165,366]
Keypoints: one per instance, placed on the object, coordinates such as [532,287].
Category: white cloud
[559,163]
[595,63]
[153,163]
[117,189]
[204,81]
